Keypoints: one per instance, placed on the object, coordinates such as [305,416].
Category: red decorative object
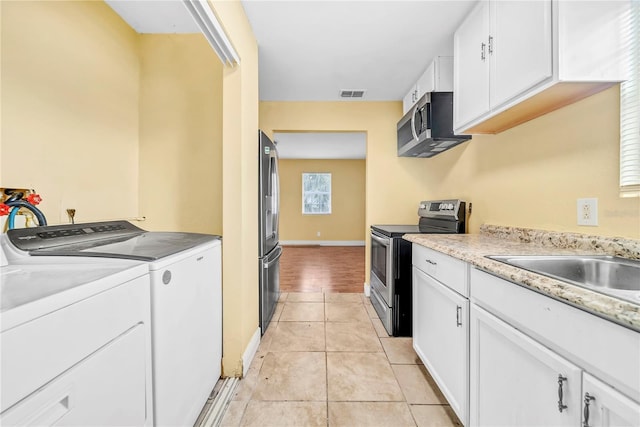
[4,209]
[34,199]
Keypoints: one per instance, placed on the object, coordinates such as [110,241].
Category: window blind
[630,109]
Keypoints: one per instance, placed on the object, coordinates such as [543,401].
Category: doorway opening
[322,211]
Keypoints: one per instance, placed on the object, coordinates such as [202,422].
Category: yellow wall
[180,134]
[394,185]
[532,175]
[529,176]
[70,78]
[76,100]
[346,221]
[239,188]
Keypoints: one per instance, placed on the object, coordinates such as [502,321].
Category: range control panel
[29,239]
[453,208]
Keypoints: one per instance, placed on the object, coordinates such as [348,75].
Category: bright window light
[316,193]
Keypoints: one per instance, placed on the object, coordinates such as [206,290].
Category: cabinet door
[441,336]
[426,82]
[515,381]
[471,67]
[603,406]
[519,47]
[409,99]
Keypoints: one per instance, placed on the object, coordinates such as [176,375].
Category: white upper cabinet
[471,94]
[438,77]
[514,61]
[409,99]
[515,69]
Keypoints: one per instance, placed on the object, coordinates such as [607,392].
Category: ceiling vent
[351,93]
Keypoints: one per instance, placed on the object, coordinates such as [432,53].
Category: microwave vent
[352,93]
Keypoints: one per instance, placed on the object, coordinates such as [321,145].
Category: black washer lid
[113,239]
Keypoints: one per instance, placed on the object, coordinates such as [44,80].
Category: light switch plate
[588,212]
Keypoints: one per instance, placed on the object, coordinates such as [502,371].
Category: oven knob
[442,206]
[450,207]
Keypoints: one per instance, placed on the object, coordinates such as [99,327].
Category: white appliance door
[186,314]
[107,388]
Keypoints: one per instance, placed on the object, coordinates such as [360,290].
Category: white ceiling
[155,16]
[321,145]
[309,50]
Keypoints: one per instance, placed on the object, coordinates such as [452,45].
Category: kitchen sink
[619,277]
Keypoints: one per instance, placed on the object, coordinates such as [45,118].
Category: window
[316,193]
[630,110]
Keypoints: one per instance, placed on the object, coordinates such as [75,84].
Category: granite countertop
[496,240]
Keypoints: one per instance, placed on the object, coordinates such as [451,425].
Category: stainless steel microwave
[427,128]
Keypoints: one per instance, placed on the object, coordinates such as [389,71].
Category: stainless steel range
[391,260]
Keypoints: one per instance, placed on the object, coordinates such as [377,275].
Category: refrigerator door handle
[276,197]
[270,260]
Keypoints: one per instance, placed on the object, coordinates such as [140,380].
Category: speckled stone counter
[496,240]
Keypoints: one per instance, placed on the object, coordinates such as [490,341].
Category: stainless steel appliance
[391,260]
[269,213]
[427,128]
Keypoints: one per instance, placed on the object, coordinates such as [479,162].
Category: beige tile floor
[326,360]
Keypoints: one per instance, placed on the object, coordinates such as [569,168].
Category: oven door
[382,280]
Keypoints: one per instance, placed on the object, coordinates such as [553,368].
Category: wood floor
[322,269]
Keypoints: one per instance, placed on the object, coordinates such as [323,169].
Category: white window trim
[330,193]
[630,109]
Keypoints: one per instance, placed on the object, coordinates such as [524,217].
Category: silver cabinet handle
[490,45]
[431,262]
[482,55]
[587,401]
[561,405]
[458,315]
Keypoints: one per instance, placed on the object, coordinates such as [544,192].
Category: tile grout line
[326,359]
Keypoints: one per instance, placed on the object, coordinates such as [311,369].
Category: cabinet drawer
[448,270]
[609,351]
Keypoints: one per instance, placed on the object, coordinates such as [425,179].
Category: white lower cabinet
[515,381]
[508,356]
[441,337]
[530,355]
[603,406]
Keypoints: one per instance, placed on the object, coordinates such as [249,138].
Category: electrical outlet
[588,212]
[318,234]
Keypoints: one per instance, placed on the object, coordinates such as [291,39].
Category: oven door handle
[383,242]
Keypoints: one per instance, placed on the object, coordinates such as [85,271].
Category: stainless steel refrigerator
[269,249]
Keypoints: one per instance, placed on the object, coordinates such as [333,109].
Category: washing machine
[186,301]
[75,342]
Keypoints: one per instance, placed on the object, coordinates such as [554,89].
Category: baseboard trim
[250,351]
[322,242]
